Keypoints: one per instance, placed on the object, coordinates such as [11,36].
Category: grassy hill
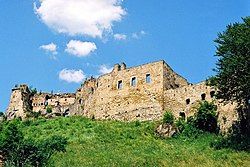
[113,143]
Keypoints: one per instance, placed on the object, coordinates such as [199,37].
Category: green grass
[113,143]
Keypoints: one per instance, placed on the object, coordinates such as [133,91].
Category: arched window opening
[182,115]
[212,94]
[187,101]
[203,96]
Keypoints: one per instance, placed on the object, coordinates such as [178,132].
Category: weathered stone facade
[138,93]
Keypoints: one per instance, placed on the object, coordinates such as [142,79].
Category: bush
[205,118]
[187,129]
[168,117]
[49,109]
[33,114]
[18,151]
[236,140]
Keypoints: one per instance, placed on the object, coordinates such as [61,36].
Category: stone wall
[58,102]
[19,102]
[143,92]
[186,100]
[131,93]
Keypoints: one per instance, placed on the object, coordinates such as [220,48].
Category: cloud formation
[79,48]
[52,48]
[120,36]
[80,17]
[104,69]
[71,76]
[137,35]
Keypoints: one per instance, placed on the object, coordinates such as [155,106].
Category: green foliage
[20,151]
[233,76]
[49,109]
[205,118]
[33,91]
[212,81]
[114,143]
[33,114]
[233,51]
[233,66]
[168,117]
[187,130]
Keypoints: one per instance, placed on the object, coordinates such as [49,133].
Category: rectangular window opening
[133,81]
[148,78]
[119,86]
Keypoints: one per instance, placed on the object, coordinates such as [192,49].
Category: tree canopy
[233,66]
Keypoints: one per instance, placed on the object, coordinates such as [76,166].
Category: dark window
[212,94]
[65,99]
[187,101]
[203,96]
[182,115]
[91,90]
[133,81]
[119,86]
[148,78]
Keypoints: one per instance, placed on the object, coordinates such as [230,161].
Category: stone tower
[19,102]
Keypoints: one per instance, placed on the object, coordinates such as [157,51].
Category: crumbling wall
[171,79]
[186,100]
[19,102]
[141,99]
[59,103]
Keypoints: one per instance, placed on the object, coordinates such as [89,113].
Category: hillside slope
[112,143]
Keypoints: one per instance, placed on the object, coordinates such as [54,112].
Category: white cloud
[79,48]
[80,17]
[120,36]
[70,76]
[138,35]
[104,69]
[50,48]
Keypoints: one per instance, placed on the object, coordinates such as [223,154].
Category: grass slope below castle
[113,143]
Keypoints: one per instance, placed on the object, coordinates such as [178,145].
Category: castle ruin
[143,92]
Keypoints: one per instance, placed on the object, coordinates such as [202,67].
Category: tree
[18,151]
[233,68]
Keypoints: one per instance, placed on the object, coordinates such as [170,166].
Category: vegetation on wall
[168,117]
[49,109]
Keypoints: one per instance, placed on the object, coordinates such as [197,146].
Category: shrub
[168,117]
[18,151]
[205,118]
[33,114]
[49,109]
[235,140]
[187,129]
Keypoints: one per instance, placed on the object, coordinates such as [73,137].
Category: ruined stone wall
[137,100]
[171,79]
[186,99]
[58,102]
[143,92]
[19,102]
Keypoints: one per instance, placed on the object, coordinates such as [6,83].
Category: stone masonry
[143,92]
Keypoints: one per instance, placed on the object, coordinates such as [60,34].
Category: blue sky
[132,31]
